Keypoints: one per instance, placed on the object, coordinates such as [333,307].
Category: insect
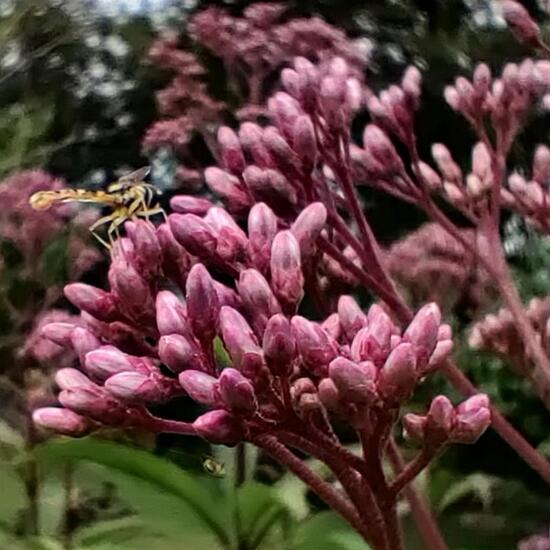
[128,197]
[213,467]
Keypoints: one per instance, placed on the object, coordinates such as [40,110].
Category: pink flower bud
[279,148]
[237,393]
[134,387]
[452,97]
[59,333]
[481,161]
[304,141]
[355,382]
[83,341]
[199,386]
[202,303]
[441,352]
[379,145]
[520,22]
[92,402]
[352,319]
[147,248]
[179,353]
[430,176]
[329,395]
[69,378]
[541,165]
[279,345]
[423,330]
[193,233]
[188,204]
[397,377]
[440,419]
[231,152]
[131,289]
[291,82]
[372,343]
[471,425]
[478,401]
[315,346]
[219,427]
[415,426]
[250,135]
[228,187]
[332,326]
[257,298]
[176,261]
[240,341]
[94,301]
[447,166]
[61,421]
[231,239]
[481,79]
[412,84]
[170,314]
[262,228]
[307,227]
[107,361]
[287,279]
[269,185]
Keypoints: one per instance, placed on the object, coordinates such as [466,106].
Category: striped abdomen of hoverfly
[42,200]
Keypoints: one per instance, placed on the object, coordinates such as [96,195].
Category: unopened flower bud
[304,141]
[107,361]
[250,135]
[231,152]
[430,176]
[471,425]
[58,333]
[279,345]
[541,165]
[351,316]
[307,227]
[415,426]
[61,421]
[379,145]
[478,401]
[69,378]
[315,346]
[329,395]
[170,314]
[83,341]
[332,326]
[287,279]
[202,303]
[257,298]
[188,204]
[96,302]
[240,341]
[134,387]
[440,418]
[520,22]
[231,239]
[219,427]
[194,234]
[236,392]
[131,289]
[147,248]
[423,330]
[227,187]
[262,228]
[92,402]
[179,353]
[355,382]
[269,185]
[397,377]
[372,343]
[445,163]
[279,148]
[199,386]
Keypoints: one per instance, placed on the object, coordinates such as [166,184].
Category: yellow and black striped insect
[128,197]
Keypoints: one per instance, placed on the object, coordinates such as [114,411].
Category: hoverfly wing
[137,175]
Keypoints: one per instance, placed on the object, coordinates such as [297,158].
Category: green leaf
[158,490]
[114,531]
[259,511]
[475,485]
[326,531]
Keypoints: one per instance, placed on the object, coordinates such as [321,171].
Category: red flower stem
[161,425]
[420,509]
[413,468]
[320,487]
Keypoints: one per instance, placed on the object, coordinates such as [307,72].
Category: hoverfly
[128,197]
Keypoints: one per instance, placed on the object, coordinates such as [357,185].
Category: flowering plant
[293,239]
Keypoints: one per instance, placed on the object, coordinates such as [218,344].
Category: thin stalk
[320,487]
[420,509]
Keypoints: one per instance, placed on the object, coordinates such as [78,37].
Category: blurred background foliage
[76,97]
